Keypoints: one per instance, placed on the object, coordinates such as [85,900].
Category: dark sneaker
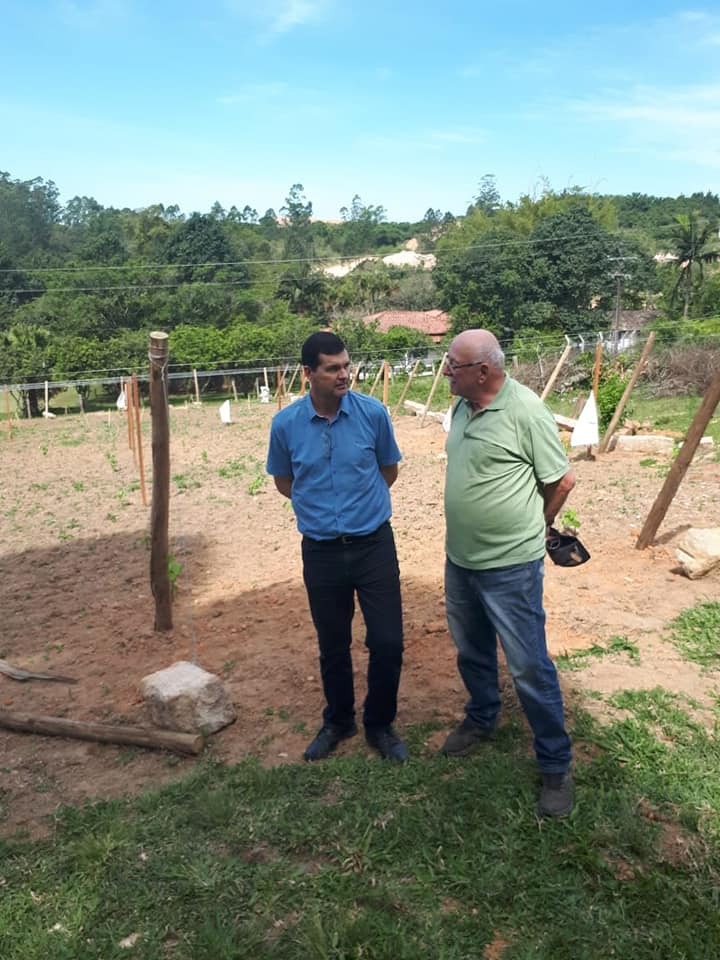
[387,743]
[556,796]
[465,738]
[326,740]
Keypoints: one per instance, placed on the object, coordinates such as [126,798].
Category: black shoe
[465,738]
[327,738]
[556,796]
[387,743]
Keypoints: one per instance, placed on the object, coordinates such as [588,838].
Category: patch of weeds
[228,667]
[112,517]
[570,521]
[78,485]
[283,714]
[648,462]
[125,491]
[579,658]
[256,484]
[695,634]
[44,449]
[112,460]
[174,571]
[39,486]
[232,469]
[183,482]
[204,456]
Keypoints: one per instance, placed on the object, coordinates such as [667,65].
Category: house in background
[433,323]
[628,327]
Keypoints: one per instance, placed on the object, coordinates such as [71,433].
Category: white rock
[698,551]
[187,698]
[643,443]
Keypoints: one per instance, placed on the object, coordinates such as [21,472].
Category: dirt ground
[75,595]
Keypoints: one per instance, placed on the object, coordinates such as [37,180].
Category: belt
[347,538]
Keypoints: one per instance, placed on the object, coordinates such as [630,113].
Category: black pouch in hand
[565,550]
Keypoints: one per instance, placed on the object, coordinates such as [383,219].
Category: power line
[279,261]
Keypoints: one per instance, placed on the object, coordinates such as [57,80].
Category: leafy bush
[610,390]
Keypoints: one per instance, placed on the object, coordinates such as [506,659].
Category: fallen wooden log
[565,423]
[17,673]
[103,732]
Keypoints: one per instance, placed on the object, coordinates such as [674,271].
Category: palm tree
[695,244]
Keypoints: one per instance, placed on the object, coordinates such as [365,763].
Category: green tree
[25,358]
[695,244]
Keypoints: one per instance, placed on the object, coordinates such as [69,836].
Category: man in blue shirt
[334,455]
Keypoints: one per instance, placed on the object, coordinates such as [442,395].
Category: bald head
[479,346]
[475,367]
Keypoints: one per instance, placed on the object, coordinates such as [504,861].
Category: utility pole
[619,276]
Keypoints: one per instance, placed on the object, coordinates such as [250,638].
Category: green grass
[663,413]
[355,858]
[696,634]
[580,658]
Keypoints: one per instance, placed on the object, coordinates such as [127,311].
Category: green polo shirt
[497,462]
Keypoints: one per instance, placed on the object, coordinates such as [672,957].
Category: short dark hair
[317,343]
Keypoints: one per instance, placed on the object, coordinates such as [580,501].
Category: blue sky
[408,105]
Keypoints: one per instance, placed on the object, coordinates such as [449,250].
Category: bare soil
[75,594]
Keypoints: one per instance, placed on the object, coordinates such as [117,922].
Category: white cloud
[280,16]
[682,122]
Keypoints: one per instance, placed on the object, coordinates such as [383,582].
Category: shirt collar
[310,409]
[499,401]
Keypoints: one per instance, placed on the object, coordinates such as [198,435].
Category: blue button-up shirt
[337,487]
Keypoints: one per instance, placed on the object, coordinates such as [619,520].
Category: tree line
[81,284]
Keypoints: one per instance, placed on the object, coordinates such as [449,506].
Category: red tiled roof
[434,323]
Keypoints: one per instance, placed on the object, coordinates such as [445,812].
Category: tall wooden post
[377,379]
[386,377]
[138,437]
[405,389]
[679,467]
[626,394]
[433,388]
[597,368]
[160,509]
[7,410]
[554,375]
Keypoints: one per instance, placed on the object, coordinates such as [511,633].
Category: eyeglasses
[453,365]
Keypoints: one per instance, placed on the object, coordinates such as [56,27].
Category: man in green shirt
[507,477]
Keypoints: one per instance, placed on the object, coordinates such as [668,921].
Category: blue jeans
[506,603]
[334,571]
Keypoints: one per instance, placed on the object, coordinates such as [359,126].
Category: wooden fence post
[7,410]
[138,437]
[377,379]
[554,375]
[597,367]
[433,388]
[159,514]
[197,387]
[405,389]
[626,393]
[682,462]
[386,375]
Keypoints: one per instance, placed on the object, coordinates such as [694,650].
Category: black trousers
[334,571]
